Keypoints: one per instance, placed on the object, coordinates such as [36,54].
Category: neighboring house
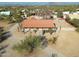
[66,12]
[54,16]
[37,24]
[5,13]
[24,15]
[37,17]
[72,15]
[44,13]
[77,12]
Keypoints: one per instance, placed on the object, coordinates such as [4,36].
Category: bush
[4,17]
[77,29]
[28,44]
[60,14]
[67,19]
[75,22]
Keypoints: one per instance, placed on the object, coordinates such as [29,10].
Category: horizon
[36,3]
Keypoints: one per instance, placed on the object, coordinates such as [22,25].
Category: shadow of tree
[2,50]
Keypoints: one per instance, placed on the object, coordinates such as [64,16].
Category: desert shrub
[77,29]
[75,22]
[49,30]
[68,19]
[4,17]
[54,40]
[28,44]
[54,55]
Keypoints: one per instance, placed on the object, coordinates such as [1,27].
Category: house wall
[66,12]
[27,29]
[31,29]
[39,32]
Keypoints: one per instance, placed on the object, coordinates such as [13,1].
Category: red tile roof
[37,23]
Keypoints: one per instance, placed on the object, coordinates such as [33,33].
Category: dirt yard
[6,25]
[68,41]
[66,44]
[3,24]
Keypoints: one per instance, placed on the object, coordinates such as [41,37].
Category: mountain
[22,3]
[63,3]
[35,3]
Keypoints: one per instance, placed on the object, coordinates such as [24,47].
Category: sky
[35,3]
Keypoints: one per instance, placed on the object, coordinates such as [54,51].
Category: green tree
[60,14]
